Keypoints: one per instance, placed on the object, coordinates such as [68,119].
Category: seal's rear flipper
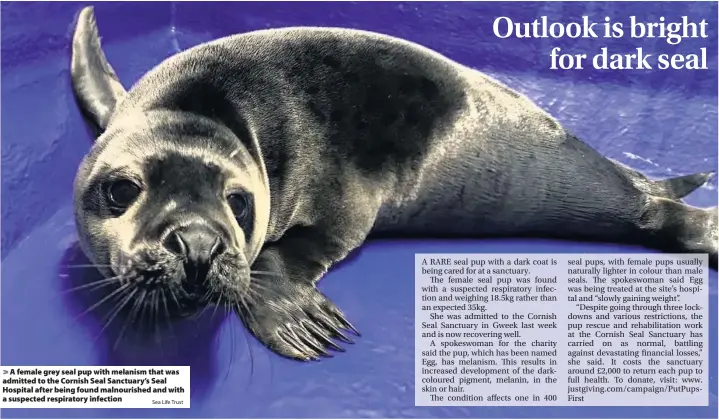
[674,188]
[95,83]
[676,227]
[681,186]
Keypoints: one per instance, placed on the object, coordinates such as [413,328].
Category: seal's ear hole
[240,205]
[122,193]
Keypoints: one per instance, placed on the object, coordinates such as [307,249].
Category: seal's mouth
[178,287]
[179,302]
[195,281]
[167,291]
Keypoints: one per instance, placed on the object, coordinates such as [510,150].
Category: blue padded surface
[661,122]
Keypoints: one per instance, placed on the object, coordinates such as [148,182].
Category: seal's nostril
[175,244]
[217,248]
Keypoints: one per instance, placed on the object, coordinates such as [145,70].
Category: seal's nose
[198,244]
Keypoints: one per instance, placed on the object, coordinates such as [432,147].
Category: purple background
[662,122]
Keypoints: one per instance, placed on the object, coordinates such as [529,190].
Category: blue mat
[661,122]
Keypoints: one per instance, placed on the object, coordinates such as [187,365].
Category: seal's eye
[122,193]
[238,205]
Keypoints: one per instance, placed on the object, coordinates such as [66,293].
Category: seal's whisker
[164,305]
[137,315]
[155,311]
[252,318]
[59,334]
[206,295]
[130,319]
[252,292]
[118,308]
[104,299]
[257,294]
[270,273]
[249,348]
[232,350]
[258,283]
[94,285]
[174,298]
[199,314]
[217,304]
[87,266]
[246,311]
[257,287]
[254,295]
[121,297]
[145,315]
[183,293]
[168,317]
[141,318]
[156,317]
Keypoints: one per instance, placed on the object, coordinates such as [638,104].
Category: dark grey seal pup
[242,169]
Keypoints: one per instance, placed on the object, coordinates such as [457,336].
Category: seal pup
[242,169]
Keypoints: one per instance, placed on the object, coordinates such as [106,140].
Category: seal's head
[173,202]
[167,201]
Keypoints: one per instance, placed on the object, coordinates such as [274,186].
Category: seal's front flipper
[94,82]
[294,319]
[283,308]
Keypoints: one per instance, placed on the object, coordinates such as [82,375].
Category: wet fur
[350,133]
